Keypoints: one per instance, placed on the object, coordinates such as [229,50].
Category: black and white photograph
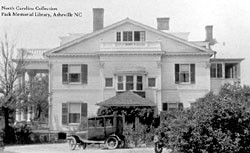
[128,76]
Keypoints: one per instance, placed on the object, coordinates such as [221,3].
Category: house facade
[158,65]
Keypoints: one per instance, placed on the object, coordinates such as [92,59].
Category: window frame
[178,108]
[112,82]
[80,74]
[124,82]
[190,73]
[216,71]
[76,123]
[154,82]
[124,36]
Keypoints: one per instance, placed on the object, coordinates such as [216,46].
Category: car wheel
[84,145]
[158,148]
[112,142]
[72,143]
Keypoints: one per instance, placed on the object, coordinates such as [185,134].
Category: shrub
[138,133]
[221,123]
[18,134]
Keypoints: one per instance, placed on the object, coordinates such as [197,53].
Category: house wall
[185,93]
[93,44]
[99,67]
[62,93]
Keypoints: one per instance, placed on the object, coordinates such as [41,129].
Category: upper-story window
[231,70]
[139,35]
[216,70]
[108,82]
[118,36]
[127,36]
[184,73]
[130,36]
[74,73]
[129,82]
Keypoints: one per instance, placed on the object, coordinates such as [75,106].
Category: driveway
[64,148]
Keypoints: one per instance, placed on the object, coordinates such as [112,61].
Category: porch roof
[126,99]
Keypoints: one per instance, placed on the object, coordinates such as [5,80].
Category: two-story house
[155,63]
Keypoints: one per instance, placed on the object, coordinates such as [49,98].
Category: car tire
[112,143]
[72,143]
[158,148]
[83,145]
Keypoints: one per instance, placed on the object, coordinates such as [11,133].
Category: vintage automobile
[106,130]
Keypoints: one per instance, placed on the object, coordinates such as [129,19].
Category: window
[172,106]
[151,82]
[139,83]
[108,82]
[130,82]
[216,70]
[120,83]
[184,73]
[131,36]
[109,121]
[127,36]
[74,73]
[74,112]
[231,70]
[118,36]
[100,122]
[139,36]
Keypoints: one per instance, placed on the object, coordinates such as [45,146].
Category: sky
[230,20]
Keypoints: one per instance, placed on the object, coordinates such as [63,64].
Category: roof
[35,53]
[126,99]
[127,20]
[226,59]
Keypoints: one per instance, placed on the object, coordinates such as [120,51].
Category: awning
[126,99]
[130,70]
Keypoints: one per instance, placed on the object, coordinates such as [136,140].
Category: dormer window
[130,36]
[127,36]
[118,36]
[139,36]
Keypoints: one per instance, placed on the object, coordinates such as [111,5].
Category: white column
[22,115]
[18,115]
[29,114]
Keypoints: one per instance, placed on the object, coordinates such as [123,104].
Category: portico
[35,64]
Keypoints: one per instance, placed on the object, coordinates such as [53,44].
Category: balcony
[131,46]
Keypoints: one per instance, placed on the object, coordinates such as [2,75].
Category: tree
[38,91]
[11,66]
[221,123]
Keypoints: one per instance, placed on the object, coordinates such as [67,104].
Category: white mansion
[159,65]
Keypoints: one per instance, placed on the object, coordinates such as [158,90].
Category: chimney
[209,33]
[98,18]
[163,23]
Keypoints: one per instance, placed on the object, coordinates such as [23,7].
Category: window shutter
[177,71]
[65,73]
[84,69]
[192,69]
[84,116]
[65,113]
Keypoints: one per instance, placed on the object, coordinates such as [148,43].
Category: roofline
[227,59]
[87,36]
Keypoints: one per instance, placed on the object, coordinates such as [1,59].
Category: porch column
[22,115]
[31,74]
[29,114]
[18,115]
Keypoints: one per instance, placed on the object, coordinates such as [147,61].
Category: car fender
[116,136]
